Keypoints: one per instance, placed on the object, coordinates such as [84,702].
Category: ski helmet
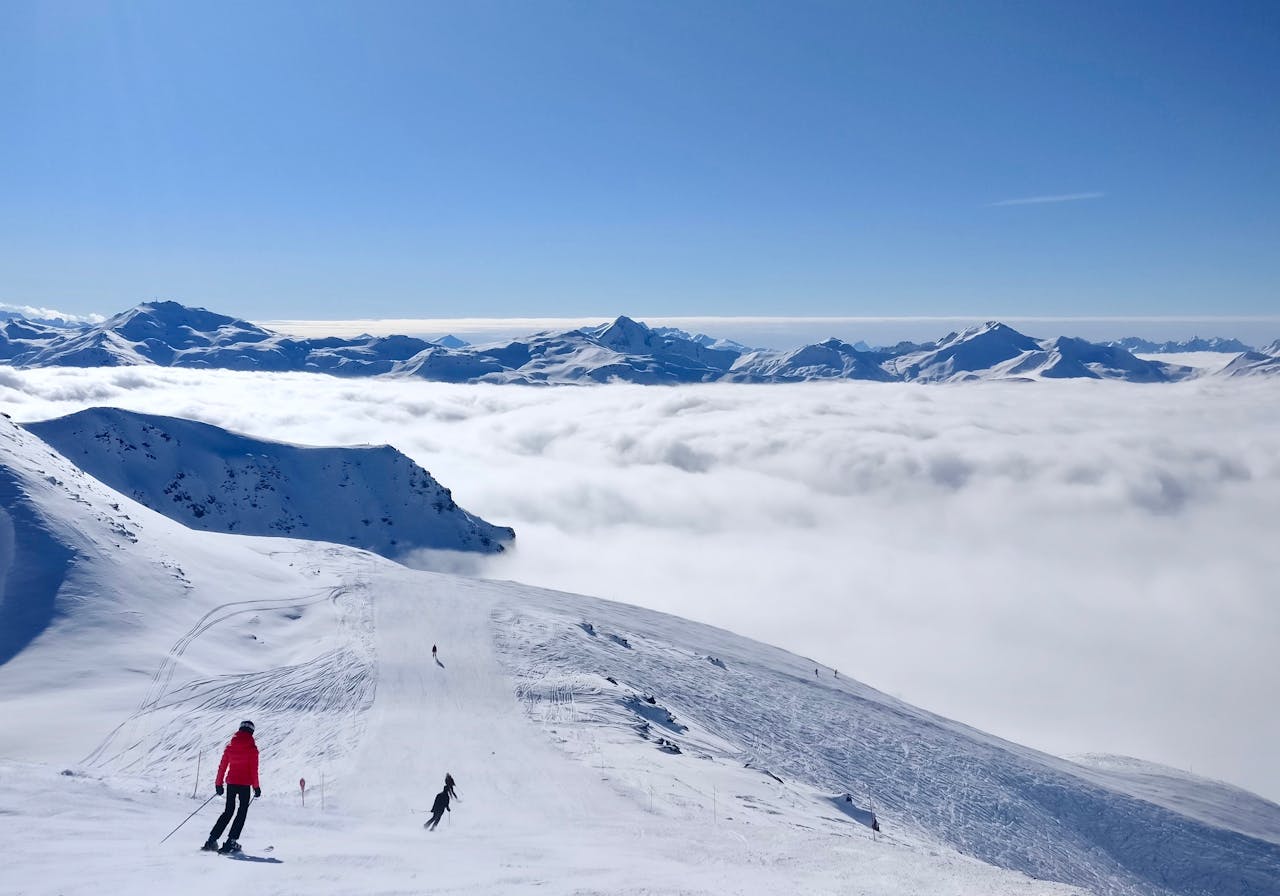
[246,725]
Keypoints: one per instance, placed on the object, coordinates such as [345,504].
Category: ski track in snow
[929,778]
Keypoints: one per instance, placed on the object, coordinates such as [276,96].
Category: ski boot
[210,845]
[229,847]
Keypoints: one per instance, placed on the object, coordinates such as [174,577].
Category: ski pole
[188,818]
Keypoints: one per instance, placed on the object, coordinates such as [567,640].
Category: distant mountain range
[1195,344]
[172,335]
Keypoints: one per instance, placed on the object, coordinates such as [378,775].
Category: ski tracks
[336,680]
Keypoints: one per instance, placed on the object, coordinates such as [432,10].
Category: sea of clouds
[1077,566]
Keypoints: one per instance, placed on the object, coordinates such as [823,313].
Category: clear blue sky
[386,159]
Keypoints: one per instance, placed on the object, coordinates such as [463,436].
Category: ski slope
[143,643]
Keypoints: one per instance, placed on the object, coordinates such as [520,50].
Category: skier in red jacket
[239,769]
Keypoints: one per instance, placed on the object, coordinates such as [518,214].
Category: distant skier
[438,808]
[837,673]
[433,653]
[239,769]
[815,673]
[448,786]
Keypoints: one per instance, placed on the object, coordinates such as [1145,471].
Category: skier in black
[448,786]
[438,808]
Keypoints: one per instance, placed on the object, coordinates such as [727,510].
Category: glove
[257,793]
[218,790]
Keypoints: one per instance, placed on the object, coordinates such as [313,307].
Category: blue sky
[335,160]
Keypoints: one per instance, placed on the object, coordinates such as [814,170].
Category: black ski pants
[234,792]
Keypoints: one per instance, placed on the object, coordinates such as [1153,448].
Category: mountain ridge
[208,478]
[623,350]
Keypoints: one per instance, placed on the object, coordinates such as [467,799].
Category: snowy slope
[153,640]
[101,601]
[207,478]
[161,638]
[1222,804]
[927,776]
[24,337]
[1253,364]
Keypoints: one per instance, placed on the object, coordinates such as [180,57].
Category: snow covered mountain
[964,356]
[173,335]
[1174,347]
[1069,357]
[832,359]
[621,351]
[20,338]
[208,478]
[643,753]
[703,339]
[995,351]
[1253,364]
[624,350]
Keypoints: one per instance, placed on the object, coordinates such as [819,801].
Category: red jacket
[239,763]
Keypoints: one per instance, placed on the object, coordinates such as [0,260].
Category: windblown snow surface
[708,764]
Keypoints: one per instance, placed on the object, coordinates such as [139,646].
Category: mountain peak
[625,335]
[179,326]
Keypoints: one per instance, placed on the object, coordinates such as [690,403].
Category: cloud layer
[1080,567]
[31,312]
